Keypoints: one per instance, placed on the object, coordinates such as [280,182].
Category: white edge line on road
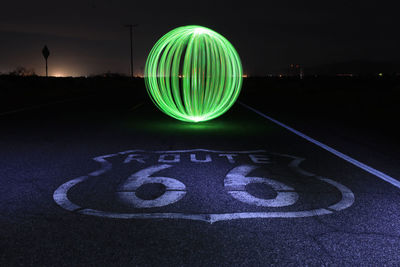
[136,106]
[345,157]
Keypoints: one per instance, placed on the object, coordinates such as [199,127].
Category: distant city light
[59,74]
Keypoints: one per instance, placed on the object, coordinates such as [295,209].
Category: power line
[131,26]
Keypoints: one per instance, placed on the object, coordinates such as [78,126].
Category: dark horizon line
[274,76]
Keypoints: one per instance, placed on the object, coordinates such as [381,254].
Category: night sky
[88,37]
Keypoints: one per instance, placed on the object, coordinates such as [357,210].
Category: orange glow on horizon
[60,73]
[57,74]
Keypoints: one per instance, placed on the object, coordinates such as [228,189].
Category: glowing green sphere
[193,74]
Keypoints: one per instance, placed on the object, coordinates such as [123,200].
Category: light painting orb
[193,74]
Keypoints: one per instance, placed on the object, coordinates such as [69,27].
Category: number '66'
[235,184]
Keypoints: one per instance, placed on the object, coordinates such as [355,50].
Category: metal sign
[45,52]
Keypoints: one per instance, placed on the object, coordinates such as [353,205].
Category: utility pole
[46,53]
[131,26]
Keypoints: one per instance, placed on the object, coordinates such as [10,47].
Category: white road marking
[259,159]
[173,157]
[236,181]
[105,165]
[345,157]
[98,213]
[229,157]
[60,196]
[174,189]
[188,150]
[132,157]
[169,158]
[194,159]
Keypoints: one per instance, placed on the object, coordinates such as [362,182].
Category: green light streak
[193,74]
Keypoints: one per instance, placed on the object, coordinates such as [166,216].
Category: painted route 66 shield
[200,184]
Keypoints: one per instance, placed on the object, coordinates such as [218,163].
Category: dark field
[362,99]
[367,105]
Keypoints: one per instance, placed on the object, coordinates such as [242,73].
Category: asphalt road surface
[95,183]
